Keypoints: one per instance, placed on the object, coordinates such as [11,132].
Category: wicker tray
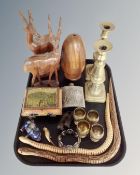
[51,123]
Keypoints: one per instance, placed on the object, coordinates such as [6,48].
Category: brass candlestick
[106,28]
[95,88]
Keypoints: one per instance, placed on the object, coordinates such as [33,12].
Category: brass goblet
[79,114]
[83,128]
[96,132]
[92,116]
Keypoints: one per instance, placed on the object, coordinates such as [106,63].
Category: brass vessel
[83,128]
[92,116]
[79,114]
[96,132]
[73,57]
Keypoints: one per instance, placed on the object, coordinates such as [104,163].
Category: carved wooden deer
[46,58]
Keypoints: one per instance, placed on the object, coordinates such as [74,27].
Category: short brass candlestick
[106,28]
[95,88]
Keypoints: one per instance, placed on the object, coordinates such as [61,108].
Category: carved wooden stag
[46,58]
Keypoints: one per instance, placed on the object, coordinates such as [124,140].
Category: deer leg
[33,79]
[56,76]
[38,77]
[50,76]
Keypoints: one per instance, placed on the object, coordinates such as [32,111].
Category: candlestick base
[90,96]
[88,71]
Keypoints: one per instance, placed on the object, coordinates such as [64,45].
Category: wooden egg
[73,57]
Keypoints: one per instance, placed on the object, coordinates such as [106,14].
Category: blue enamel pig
[32,130]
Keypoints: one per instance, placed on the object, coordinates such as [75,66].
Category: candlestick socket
[102,46]
[106,28]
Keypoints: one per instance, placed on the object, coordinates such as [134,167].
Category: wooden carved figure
[46,58]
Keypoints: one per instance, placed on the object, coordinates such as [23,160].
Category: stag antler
[59,29]
[30,17]
[49,27]
[58,34]
[23,19]
[29,22]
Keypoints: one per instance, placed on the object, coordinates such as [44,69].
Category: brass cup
[79,114]
[92,116]
[96,132]
[83,128]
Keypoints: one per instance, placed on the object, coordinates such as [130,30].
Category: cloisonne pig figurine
[32,130]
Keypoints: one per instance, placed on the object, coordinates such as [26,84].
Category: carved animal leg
[56,76]
[50,76]
[39,79]
[33,79]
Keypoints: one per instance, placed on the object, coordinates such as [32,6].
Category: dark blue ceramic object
[32,130]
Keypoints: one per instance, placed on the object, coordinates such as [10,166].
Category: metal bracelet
[69,132]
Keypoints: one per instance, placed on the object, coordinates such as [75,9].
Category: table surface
[80,17]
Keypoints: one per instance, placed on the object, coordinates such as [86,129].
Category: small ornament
[32,130]
[65,121]
[47,135]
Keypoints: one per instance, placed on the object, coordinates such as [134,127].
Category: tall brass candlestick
[95,88]
[106,28]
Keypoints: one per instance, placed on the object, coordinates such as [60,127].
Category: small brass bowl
[79,114]
[83,128]
[96,132]
[92,116]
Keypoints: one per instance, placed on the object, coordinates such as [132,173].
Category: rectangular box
[42,101]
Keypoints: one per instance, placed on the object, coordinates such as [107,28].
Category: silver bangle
[69,132]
